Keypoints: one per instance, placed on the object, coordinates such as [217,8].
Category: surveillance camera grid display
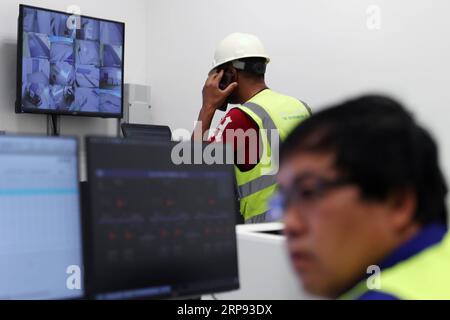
[71,66]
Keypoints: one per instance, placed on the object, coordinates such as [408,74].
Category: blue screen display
[40,222]
[71,65]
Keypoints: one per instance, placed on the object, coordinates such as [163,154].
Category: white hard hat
[238,46]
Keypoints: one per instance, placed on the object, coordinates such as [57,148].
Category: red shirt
[237,119]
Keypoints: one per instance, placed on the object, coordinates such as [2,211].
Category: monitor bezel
[19,109]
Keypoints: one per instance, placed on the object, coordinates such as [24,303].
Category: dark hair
[255,67]
[377,145]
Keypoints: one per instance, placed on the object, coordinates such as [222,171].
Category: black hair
[378,146]
[255,67]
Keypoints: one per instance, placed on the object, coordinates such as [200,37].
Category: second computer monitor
[157,229]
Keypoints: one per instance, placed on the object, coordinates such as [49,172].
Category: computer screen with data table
[156,229]
[40,224]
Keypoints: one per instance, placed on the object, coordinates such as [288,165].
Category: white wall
[322,51]
[132,12]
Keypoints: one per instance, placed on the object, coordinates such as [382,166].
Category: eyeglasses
[306,190]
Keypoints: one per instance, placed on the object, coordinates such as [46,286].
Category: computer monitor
[69,64]
[40,224]
[148,132]
[155,229]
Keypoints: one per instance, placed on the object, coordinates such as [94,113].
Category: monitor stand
[119,128]
[53,125]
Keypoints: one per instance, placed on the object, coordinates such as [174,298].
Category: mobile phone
[227,79]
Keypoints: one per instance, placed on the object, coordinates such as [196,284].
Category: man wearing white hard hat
[238,77]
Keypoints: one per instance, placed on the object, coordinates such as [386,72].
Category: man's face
[333,235]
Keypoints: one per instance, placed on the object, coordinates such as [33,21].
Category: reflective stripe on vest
[257,185]
[266,181]
[267,120]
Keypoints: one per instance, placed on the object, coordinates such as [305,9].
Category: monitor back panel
[148,132]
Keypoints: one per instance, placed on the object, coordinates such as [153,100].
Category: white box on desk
[265,269]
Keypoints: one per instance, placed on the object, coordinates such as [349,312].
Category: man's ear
[234,74]
[404,205]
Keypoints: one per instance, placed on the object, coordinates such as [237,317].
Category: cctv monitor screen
[156,229]
[69,65]
[40,223]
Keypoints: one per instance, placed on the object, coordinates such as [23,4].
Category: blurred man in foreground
[364,202]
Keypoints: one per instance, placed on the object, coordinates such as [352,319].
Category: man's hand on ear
[213,96]
[213,99]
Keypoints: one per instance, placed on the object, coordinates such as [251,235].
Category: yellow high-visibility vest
[425,276]
[276,116]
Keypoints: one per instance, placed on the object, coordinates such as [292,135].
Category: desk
[265,270]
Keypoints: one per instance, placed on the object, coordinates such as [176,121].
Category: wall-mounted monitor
[69,65]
